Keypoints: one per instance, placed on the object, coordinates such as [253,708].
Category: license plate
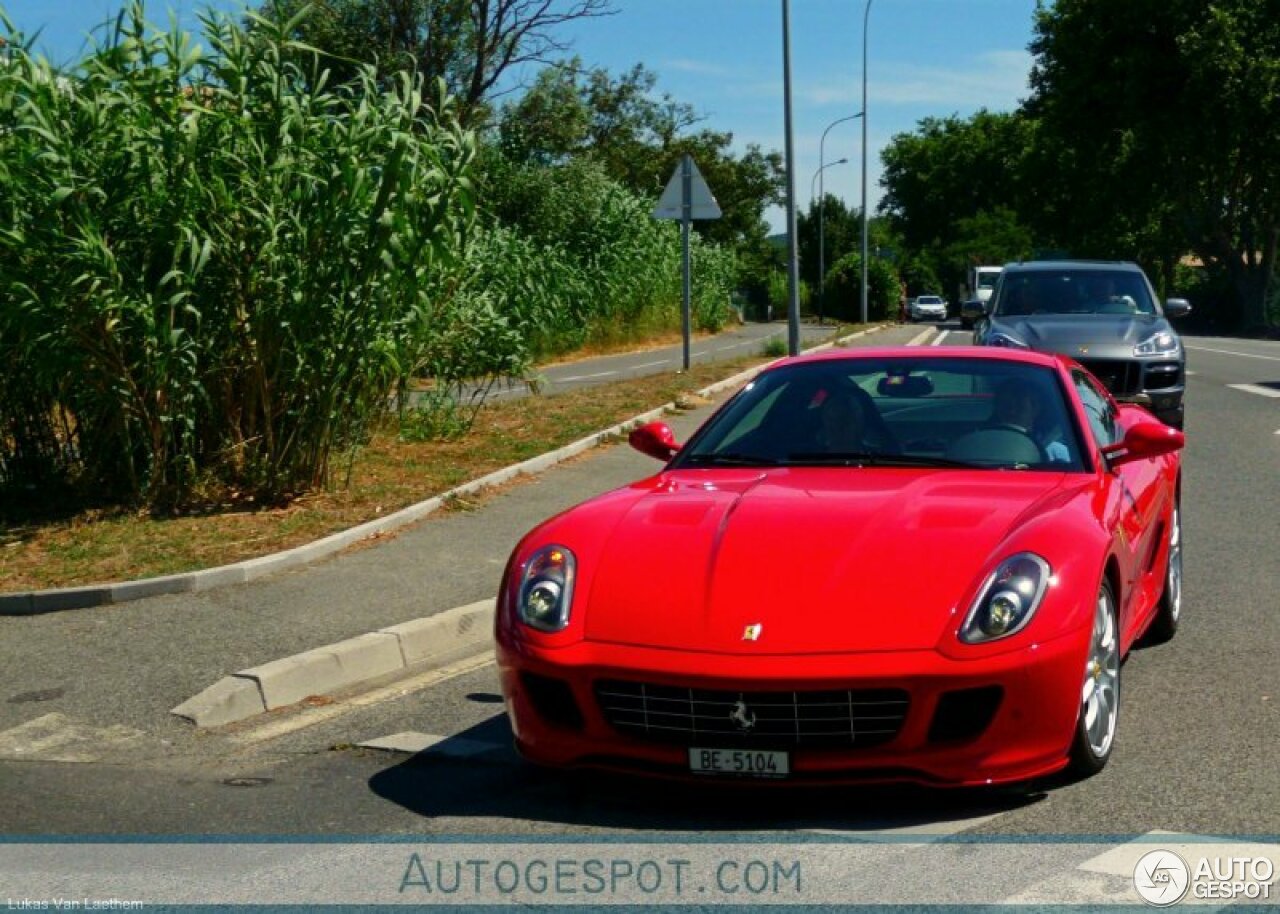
[751,763]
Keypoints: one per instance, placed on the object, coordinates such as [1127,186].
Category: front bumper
[1029,735]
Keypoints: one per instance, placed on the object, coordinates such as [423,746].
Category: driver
[842,423]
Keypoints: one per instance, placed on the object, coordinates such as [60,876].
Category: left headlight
[546,589]
[1162,343]
[1007,341]
[1008,599]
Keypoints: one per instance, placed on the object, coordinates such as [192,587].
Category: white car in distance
[928,307]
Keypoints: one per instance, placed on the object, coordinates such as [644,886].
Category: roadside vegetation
[224,260]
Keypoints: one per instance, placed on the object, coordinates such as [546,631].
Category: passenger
[1018,406]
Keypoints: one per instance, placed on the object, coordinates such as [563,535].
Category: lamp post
[793,280]
[822,239]
[866,13]
[822,277]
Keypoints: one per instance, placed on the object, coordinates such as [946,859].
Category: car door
[1124,512]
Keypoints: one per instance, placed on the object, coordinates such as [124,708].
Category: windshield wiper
[879,459]
[924,460]
[730,459]
[834,458]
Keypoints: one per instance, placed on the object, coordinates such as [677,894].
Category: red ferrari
[875,565]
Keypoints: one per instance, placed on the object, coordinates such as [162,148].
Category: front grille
[1120,377]
[715,717]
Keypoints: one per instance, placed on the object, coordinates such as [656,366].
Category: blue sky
[724,57]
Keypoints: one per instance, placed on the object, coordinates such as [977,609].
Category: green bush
[844,289]
[584,261]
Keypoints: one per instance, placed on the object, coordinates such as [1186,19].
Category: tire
[1095,731]
[1165,624]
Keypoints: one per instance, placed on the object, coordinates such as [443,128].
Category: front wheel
[1165,625]
[1100,691]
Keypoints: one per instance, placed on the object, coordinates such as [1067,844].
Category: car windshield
[1074,291]
[987,280]
[894,412]
[929,300]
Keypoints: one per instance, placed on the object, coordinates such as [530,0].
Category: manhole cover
[40,695]
[247,782]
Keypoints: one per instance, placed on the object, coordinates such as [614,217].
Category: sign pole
[686,198]
[686,223]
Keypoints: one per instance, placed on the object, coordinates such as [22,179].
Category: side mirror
[1146,438]
[1176,307]
[656,440]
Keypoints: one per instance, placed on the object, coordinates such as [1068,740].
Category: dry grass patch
[96,546]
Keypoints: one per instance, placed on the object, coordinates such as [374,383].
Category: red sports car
[871,565]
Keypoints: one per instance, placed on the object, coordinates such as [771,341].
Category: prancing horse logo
[743,717]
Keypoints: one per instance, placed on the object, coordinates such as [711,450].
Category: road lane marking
[313,716]
[585,377]
[942,335]
[651,364]
[1243,355]
[920,337]
[56,738]
[1256,389]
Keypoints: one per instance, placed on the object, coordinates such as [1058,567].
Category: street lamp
[866,13]
[822,250]
[822,239]
[793,281]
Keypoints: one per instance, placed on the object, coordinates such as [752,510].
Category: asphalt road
[734,342]
[1195,750]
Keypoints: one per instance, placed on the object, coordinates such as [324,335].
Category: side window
[1102,415]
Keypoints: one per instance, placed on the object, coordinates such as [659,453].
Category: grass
[100,545]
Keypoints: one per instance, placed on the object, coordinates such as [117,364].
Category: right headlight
[1162,343]
[1008,599]
[546,589]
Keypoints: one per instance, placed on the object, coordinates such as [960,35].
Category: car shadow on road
[441,783]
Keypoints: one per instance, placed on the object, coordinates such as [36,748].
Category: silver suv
[1105,315]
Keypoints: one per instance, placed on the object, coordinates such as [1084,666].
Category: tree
[470,44]
[1155,118]
[639,137]
[951,169]
[840,229]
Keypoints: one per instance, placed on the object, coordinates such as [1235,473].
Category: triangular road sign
[704,205]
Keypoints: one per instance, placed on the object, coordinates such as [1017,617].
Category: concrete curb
[45,601]
[416,646]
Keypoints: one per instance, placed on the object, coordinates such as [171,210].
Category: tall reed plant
[214,265]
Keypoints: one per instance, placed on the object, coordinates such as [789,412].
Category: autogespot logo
[1161,878]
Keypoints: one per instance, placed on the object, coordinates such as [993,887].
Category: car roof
[986,353]
[1032,266]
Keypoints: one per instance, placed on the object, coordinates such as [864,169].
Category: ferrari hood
[1064,332]
[816,560]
